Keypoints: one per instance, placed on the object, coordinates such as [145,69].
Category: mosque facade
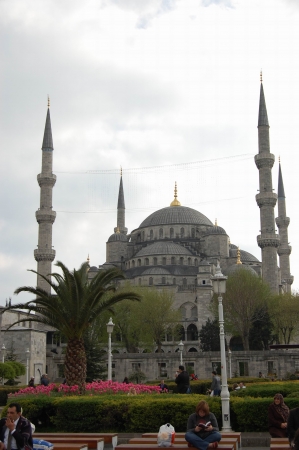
[178,248]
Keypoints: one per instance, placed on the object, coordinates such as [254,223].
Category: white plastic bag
[212,394]
[166,435]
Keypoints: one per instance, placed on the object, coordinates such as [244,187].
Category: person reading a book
[278,414]
[202,428]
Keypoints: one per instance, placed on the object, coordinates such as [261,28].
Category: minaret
[45,216]
[284,249]
[121,214]
[268,241]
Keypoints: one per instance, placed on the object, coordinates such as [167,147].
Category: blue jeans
[200,443]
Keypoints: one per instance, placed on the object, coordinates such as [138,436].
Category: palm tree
[75,305]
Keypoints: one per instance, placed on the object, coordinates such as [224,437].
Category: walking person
[215,386]
[182,380]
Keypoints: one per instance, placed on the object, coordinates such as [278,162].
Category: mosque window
[192,334]
[182,232]
[143,235]
[203,281]
[163,280]
[181,260]
[189,261]
[146,261]
[171,232]
[151,234]
[138,262]
[138,237]
[164,261]
[155,261]
[174,281]
[193,232]
[161,233]
[173,260]
[133,263]
[196,262]
[150,281]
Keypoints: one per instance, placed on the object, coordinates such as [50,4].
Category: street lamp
[230,362]
[219,287]
[27,364]
[110,326]
[3,350]
[181,348]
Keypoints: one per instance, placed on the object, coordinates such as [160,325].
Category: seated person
[163,386]
[278,414]
[236,387]
[242,385]
[202,428]
[132,391]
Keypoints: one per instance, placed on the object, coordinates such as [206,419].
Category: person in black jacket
[182,380]
[15,430]
[293,423]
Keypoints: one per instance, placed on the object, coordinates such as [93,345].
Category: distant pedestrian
[31,382]
[182,380]
[215,386]
[126,381]
[44,380]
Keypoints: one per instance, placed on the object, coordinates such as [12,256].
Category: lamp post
[219,286]
[181,348]
[3,349]
[230,362]
[27,365]
[110,326]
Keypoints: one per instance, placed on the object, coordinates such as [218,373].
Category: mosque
[178,248]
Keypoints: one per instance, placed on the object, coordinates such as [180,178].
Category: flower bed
[94,388]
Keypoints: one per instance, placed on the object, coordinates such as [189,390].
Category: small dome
[216,230]
[117,237]
[233,268]
[156,271]
[93,269]
[163,248]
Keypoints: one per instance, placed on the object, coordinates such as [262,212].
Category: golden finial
[239,256]
[88,260]
[216,224]
[48,101]
[261,76]
[121,171]
[117,230]
[175,201]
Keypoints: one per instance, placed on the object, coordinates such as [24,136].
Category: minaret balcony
[46,179]
[266,199]
[45,216]
[44,254]
[268,240]
[282,222]
[284,250]
[288,280]
[264,159]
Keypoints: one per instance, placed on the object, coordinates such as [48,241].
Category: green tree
[95,367]
[7,371]
[284,313]
[73,308]
[209,336]
[261,332]
[244,303]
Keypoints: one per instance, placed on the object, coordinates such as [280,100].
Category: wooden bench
[109,438]
[280,445]
[180,440]
[90,442]
[73,446]
[225,434]
[174,446]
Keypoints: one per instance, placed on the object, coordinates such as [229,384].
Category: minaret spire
[120,227]
[45,216]
[284,249]
[268,241]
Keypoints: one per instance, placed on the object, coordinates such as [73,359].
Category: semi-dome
[176,215]
[216,230]
[163,248]
[117,237]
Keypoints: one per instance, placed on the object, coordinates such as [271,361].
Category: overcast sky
[169,88]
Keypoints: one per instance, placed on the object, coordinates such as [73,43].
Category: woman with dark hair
[278,414]
[202,428]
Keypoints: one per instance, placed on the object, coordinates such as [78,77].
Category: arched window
[163,280]
[192,349]
[181,260]
[171,232]
[173,260]
[138,237]
[151,234]
[143,235]
[192,334]
[182,232]
[196,262]
[161,233]
[164,261]
[193,232]
[133,263]
[150,281]
[146,261]
[155,261]
[189,261]
[174,281]
[139,262]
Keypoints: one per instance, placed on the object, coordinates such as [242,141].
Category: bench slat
[109,438]
[73,446]
[174,446]
[180,440]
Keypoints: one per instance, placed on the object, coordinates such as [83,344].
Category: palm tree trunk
[75,363]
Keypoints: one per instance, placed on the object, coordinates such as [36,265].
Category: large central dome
[173,215]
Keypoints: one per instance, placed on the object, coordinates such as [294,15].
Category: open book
[204,425]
